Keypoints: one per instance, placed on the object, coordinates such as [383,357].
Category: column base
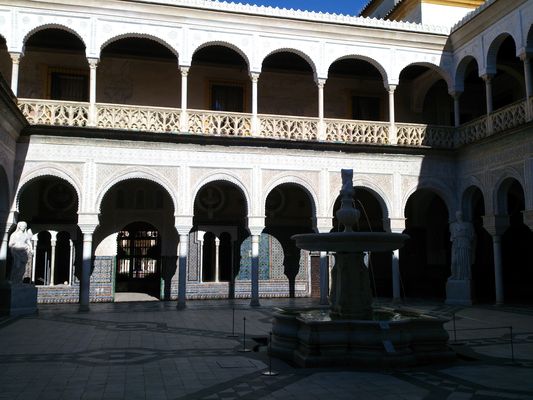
[254,303]
[18,299]
[459,292]
[83,308]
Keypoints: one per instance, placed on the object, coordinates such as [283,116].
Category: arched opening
[219,227]
[472,101]
[354,90]
[5,61]
[483,286]
[49,206]
[517,259]
[59,56]
[508,82]
[371,207]
[138,71]
[422,97]
[287,86]
[136,240]
[425,257]
[223,72]
[289,211]
[138,259]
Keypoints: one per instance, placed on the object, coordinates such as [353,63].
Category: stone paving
[150,350]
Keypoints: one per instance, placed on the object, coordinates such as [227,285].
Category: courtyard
[150,350]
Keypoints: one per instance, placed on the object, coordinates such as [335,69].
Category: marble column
[35,241]
[182,268]
[85,281]
[184,116]
[255,119]
[324,278]
[254,302]
[3,256]
[496,225]
[71,262]
[321,123]
[393,136]
[15,59]
[456,108]
[217,259]
[93,62]
[488,92]
[529,86]
[53,243]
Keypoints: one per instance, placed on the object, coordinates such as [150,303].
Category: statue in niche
[21,251]
[462,238]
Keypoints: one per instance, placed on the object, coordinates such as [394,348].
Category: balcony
[275,127]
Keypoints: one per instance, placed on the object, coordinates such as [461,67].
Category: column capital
[184,69]
[93,62]
[495,225]
[525,55]
[88,222]
[183,224]
[254,76]
[324,224]
[390,88]
[487,77]
[455,93]
[256,225]
[396,225]
[320,82]
[16,56]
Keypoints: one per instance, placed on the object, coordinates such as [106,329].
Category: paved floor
[150,350]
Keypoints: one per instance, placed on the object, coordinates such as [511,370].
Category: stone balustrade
[278,127]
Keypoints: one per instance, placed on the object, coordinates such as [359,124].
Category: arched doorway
[517,259]
[138,259]
[219,228]
[425,257]
[483,286]
[289,211]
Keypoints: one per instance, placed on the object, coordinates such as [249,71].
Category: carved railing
[471,131]
[219,123]
[425,135]
[214,123]
[289,128]
[509,117]
[364,132]
[140,118]
[54,112]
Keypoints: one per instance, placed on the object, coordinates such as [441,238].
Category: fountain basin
[398,338]
[350,242]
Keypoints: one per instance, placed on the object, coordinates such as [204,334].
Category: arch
[135,174]
[222,43]
[492,52]
[371,187]
[53,26]
[460,71]
[47,171]
[295,180]
[501,188]
[434,186]
[300,53]
[220,176]
[466,200]
[371,61]
[442,72]
[135,35]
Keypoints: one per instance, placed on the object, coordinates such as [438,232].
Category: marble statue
[462,237]
[21,251]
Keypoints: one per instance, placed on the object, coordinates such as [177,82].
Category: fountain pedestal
[352,332]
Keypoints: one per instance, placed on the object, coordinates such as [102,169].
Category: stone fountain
[352,332]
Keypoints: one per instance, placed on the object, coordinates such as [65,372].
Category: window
[227,97]
[68,85]
[366,108]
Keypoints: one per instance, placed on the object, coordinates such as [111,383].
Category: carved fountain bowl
[350,242]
